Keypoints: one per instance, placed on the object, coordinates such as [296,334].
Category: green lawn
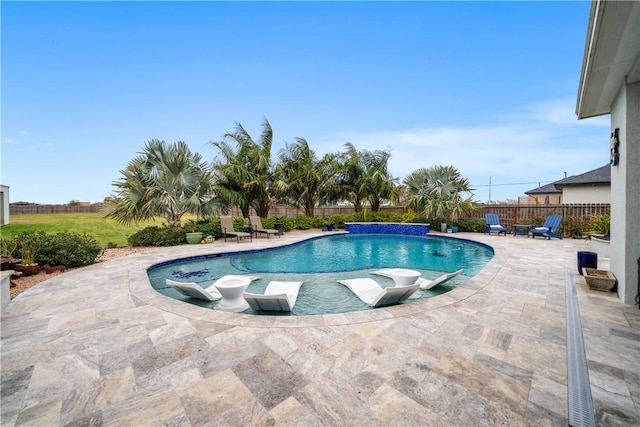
[102,229]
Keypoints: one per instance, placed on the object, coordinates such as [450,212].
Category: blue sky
[487,87]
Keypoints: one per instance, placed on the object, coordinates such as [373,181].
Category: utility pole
[489,190]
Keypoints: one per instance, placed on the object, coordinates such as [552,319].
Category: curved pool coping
[141,288]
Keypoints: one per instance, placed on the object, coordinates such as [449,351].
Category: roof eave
[611,55]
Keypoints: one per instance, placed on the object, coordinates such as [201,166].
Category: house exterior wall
[4,205]
[541,199]
[625,193]
[586,194]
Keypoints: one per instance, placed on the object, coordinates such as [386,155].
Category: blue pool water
[320,262]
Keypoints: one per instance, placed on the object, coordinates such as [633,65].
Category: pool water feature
[320,262]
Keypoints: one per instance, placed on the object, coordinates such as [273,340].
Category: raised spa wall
[411,229]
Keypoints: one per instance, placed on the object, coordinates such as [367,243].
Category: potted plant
[192,235]
[28,265]
[7,247]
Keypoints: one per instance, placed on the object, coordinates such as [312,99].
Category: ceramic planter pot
[194,238]
[27,270]
[599,280]
[9,263]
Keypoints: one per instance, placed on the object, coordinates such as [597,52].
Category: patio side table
[521,229]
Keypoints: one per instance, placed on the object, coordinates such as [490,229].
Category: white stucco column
[4,205]
[625,193]
[5,288]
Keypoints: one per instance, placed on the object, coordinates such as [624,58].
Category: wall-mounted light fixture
[615,147]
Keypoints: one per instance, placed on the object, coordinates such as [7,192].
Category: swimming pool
[320,262]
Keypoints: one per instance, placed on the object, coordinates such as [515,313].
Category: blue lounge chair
[493,224]
[549,229]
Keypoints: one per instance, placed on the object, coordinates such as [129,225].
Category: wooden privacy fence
[528,214]
[283,211]
[510,214]
[54,209]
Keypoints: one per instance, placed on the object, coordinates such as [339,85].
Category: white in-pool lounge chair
[428,284]
[404,277]
[400,276]
[193,290]
[369,291]
[278,296]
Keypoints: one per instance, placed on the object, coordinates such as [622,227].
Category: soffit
[612,53]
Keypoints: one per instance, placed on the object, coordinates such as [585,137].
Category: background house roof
[545,189]
[601,175]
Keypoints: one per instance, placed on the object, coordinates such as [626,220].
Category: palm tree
[351,173]
[437,192]
[378,184]
[365,177]
[164,180]
[244,170]
[303,179]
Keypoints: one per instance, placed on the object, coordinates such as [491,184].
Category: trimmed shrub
[158,236]
[269,223]
[206,226]
[414,217]
[383,216]
[337,220]
[67,248]
[600,224]
[534,220]
[318,222]
[573,226]
[239,222]
[303,222]
[475,225]
[287,223]
[355,217]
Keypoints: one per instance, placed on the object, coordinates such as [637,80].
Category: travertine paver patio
[97,346]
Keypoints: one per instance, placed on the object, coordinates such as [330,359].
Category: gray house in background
[590,187]
[545,195]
